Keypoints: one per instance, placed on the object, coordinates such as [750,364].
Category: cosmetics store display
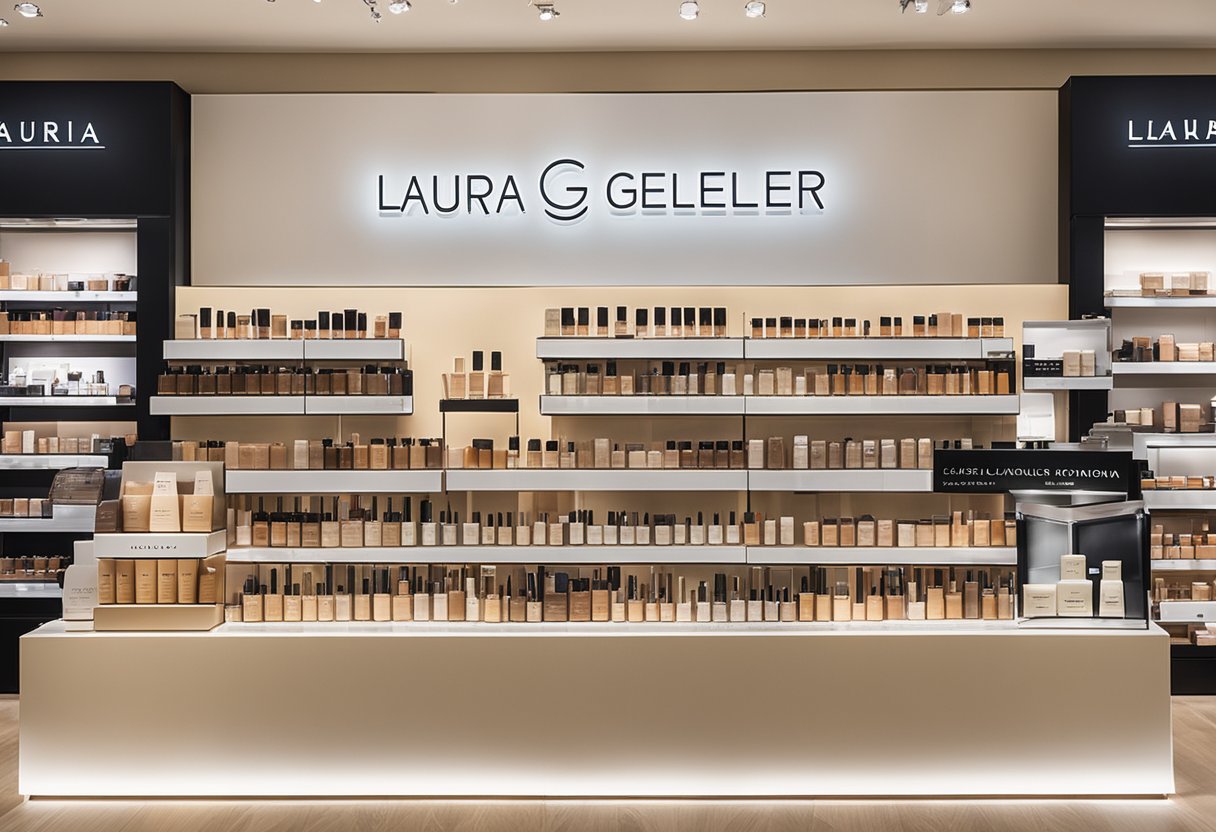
[669,378]
[1163,284]
[1168,417]
[27,442]
[938,325]
[1164,348]
[44,568]
[1074,595]
[327,592]
[265,324]
[63,282]
[67,323]
[477,383]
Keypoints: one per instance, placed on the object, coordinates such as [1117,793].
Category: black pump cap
[584,316]
[641,315]
[479,361]
[601,316]
[496,361]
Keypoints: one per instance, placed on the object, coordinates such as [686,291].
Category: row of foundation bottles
[329,592]
[269,380]
[67,322]
[710,322]
[208,324]
[380,454]
[669,378]
[356,521]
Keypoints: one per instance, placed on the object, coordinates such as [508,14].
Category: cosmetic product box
[180,544]
[168,617]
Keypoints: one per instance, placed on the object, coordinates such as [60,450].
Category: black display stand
[95,150]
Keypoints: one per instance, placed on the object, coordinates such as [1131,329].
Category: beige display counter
[596,710]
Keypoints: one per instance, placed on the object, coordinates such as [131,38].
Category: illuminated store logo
[49,135]
[566,194]
[1185,132]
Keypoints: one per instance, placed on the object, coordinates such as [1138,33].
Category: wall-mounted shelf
[871,479]
[278,405]
[1155,500]
[1070,383]
[226,405]
[641,405]
[326,482]
[583,479]
[262,349]
[1133,302]
[65,519]
[357,405]
[17,295]
[1184,565]
[589,555]
[63,401]
[51,462]
[909,349]
[69,339]
[879,405]
[883,555]
[1163,368]
[678,349]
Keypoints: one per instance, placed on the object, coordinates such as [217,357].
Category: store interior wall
[607,71]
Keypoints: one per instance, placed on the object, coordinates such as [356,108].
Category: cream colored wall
[607,71]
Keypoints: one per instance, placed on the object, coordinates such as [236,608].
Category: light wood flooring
[1193,809]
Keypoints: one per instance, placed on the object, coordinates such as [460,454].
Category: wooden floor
[1193,809]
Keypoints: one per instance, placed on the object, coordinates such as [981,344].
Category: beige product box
[1188,351]
[1180,283]
[197,507]
[1200,282]
[165,515]
[1038,600]
[1167,349]
[1190,418]
[157,618]
[1152,283]
[1072,363]
[1075,599]
[1089,363]
[1072,567]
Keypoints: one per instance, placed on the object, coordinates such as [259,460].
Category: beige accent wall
[608,71]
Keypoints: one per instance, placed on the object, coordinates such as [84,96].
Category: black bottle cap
[551,445]
[394,320]
[479,361]
[660,316]
[496,361]
[705,316]
[622,314]
[567,316]
[204,317]
[719,316]
[351,318]
[323,320]
[601,317]
[533,444]
[584,316]
[641,315]
[677,316]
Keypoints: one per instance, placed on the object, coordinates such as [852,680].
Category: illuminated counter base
[595,710]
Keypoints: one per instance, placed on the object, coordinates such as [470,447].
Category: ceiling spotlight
[396,7]
[546,12]
[922,6]
[28,10]
[960,6]
[689,9]
[3,22]
[754,8]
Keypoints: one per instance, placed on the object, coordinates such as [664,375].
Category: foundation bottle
[954,598]
[325,597]
[875,603]
[293,609]
[343,603]
[403,600]
[382,604]
[272,601]
[988,599]
[935,598]
[422,599]
[251,601]
[895,599]
[1004,599]
[493,608]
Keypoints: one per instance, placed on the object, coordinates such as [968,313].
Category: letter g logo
[568,204]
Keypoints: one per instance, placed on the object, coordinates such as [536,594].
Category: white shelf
[226,405]
[329,405]
[590,555]
[1187,612]
[879,405]
[911,349]
[1131,302]
[136,545]
[641,405]
[1071,383]
[871,479]
[685,349]
[63,401]
[30,589]
[354,349]
[310,481]
[278,405]
[69,339]
[583,479]
[51,462]
[257,349]
[66,297]
[1199,499]
[283,349]
[1183,565]
[891,555]
[73,519]
[1163,368]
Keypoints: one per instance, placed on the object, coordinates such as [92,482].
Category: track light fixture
[28,10]
[690,10]
[3,22]
[754,8]
[399,6]
[546,12]
[960,6]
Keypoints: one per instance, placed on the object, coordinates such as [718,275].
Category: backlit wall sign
[567,189]
[70,134]
[1181,132]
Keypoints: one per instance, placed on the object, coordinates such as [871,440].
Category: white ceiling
[345,25]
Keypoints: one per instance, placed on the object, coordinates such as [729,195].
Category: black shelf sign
[1007,469]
